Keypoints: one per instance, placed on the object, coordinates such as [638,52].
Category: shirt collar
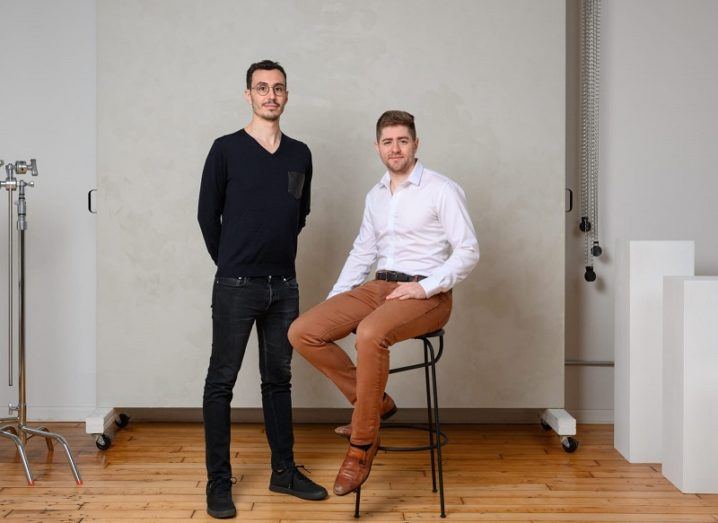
[414,177]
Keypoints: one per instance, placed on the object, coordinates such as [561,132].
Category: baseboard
[326,415]
[594,416]
[329,415]
[41,413]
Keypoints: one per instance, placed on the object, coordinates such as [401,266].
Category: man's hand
[408,291]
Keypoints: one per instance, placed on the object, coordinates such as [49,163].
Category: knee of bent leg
[298,334]
[369,338]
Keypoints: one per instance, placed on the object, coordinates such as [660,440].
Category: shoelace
[222,486]
[296,472]
[305,469]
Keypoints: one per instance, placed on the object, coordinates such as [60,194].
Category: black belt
[397,276]
[239,280]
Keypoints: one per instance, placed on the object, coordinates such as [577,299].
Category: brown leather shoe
[388,409]
[355,469]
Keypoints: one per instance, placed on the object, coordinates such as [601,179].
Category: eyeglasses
[263,89]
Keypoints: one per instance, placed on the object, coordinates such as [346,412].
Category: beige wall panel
[485,80]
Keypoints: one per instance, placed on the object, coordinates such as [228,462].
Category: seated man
[416,227]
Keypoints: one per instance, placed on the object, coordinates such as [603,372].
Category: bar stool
[437,438]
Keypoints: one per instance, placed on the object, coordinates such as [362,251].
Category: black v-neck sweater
[253,203]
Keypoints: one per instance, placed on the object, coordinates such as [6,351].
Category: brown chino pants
[379,324]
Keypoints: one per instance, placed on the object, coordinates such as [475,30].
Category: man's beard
[409,162]
[271,117]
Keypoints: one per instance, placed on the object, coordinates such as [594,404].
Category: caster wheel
[569,444]
[545,426]
[122,420]
[103,442]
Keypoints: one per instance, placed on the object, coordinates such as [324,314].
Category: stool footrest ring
[413,426]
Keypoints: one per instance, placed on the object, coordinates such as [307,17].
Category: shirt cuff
[431,286]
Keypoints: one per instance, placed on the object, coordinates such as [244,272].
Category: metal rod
[437,423]
[22,412]
[10,342]
[357,500]
[428,416]
[580,363]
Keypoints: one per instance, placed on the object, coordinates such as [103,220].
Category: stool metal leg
[429,418]
[357,499]
[437,424]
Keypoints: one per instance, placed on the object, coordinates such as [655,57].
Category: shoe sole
[388,414]
[222,514]
[308,497]
[351,491]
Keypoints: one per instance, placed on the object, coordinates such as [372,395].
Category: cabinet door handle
[89,201]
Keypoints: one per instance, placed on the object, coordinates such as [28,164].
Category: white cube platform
[640,268]
[690,383]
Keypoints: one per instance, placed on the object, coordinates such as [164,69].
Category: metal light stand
[15,427]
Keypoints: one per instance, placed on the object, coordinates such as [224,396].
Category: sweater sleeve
[211,199]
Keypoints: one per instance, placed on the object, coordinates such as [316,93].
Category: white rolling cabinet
[640,268]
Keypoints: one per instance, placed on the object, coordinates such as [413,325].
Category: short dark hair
[390,118]
[264,65]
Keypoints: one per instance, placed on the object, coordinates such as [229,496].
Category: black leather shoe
[292,481]
[219,498]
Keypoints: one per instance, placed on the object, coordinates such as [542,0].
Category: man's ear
[247,96]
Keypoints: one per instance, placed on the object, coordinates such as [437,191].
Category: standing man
[416,227]
[253,202]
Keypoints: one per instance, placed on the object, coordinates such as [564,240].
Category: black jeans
[236,304]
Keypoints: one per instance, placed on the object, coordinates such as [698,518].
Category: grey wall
[486,83]
[659,62]
[659,129]
[658,58]
[47,111]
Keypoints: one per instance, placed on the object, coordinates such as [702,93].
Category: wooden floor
[502,473]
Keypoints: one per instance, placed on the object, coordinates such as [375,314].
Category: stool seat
[434,334]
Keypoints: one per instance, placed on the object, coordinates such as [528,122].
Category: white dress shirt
[421,229]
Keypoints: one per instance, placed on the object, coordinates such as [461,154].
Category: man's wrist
[430,285]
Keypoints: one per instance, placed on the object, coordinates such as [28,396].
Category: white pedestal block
[690,383]
[640,268]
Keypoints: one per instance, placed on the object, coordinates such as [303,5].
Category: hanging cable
[590,58]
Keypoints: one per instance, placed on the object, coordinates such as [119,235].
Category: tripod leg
[51,435]
[7,432]
[9,428]
[50,446]
[48,441]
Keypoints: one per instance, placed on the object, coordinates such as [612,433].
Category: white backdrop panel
[485,80]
